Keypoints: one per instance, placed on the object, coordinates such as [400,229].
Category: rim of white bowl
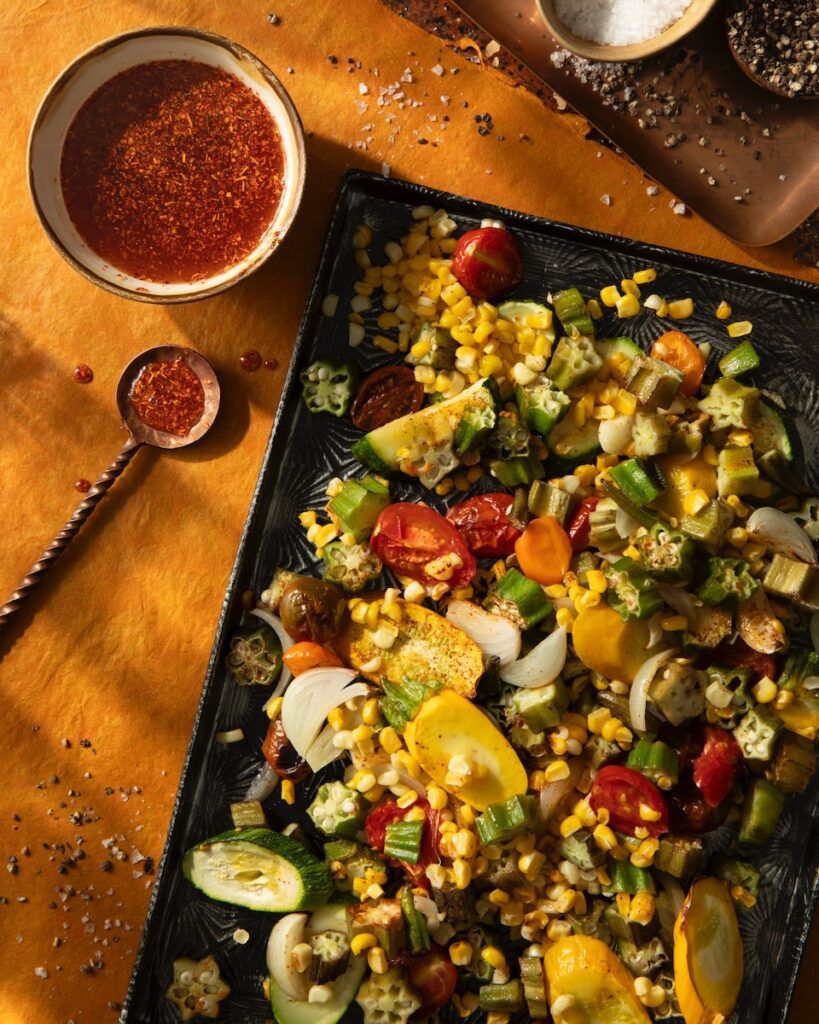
[64,236]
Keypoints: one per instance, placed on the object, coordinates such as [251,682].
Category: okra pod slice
[739,360]
[358,504]
[632,593]
[416,925]
[574,361]
[350,567]
[474,428]
[651,434]
[625,877]
[329,387]
[710,524]
[255,656]
[534,986]
[728,580]
[730,404]
[337,810]
[798,666]
[667,554]
[519,470]
[757,733]
[331,954]
[793,763]
[519,599]
[656,760]
[760,812]
[679,856]
[645,517]
[603,533]
[797,581]
[506,820]
[402,840]
[507,998]
[654,384]
[570,310]
[540,707]
[736,472]
[639,480]
[547,500]
[339,849]
[540,404]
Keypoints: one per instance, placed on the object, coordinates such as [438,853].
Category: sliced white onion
[569,484]
[230,736]
[496,636]
[285,936]
[624,524]
[262,784]
[810,683]
[322,750]
[814,630]
[679,600]
[615,434]
[638,695]
[429,908]
[311,697]
[655,629]
[553,793]
[541,665]
[779,533]
[285,640]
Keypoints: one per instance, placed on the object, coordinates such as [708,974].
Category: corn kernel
[645,276]
[565,618]
[627,305]
[460,953]
[462,873]
[490,365]
[641,908]
[555,590]
[594,310]
[596,581]
[610,296]
[609,729]
[570,825]
[738,506]
[649,813]
[740,328]
[337,719]
[363,941]
[604,837]
[497,1017]
[498,897]
[274,708]
[288,791]
[494,957]
[377,960]
[695,501]
[556,771]
[623,901]
[737,537]
[765,691]
[642,986]
[390,740]
[466,815]
[437,798]
[585,474]
[723,310]
[597,719]
[630,287]
[307,518]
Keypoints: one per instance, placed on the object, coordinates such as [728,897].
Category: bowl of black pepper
[166,164]
[776,43]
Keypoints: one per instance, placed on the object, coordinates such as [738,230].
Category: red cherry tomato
[385,395]
[740,655]
[375,827]
[409,535]
[485,525]
[377,820]
[488,262]
[578,528]
[717,766]
[433,976]
[622,792]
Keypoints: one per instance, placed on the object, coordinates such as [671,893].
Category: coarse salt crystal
[363,88]
[605,199]
[652,190]
[437,69]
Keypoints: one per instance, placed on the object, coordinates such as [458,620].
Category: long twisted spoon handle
[69,531]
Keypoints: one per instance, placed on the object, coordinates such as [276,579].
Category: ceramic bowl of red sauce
[166,164]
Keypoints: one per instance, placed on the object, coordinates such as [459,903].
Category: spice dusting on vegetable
[169,396]
[172,170]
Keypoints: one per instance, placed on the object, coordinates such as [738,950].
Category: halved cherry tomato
[409,535]
[487,262]
[385,395]
[623,792]
[544,550]
[306,655]
[679,351]
[716,769]
[485,525]
[433,976]
[375,827]
[578,528]
[281,755]
[739,655]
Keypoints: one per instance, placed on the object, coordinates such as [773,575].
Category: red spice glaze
[83,374]
[171,171]
[168,396]
[250,361]
[83,486]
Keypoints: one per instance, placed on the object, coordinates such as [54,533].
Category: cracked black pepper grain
[778,40]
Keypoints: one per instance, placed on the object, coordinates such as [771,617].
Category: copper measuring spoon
[139,434]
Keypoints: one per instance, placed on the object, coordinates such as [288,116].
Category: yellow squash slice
[605,643]
[600,985]
[450,736]
[707,953]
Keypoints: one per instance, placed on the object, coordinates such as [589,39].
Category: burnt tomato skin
[385,395]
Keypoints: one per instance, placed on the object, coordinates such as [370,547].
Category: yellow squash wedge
[449,726]
[605,643]
[800,717]
[602,987]
[707,953]
[428,648]
[684,475]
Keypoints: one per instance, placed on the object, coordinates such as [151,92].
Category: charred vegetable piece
[350,566]
[338,810]
[331,954]
[436,348]
[760,812]
[680,856]
[730,404]
[710,524]
[518,471]
[643,960]
[511,438]
[678,692]
[504,821]
[655,384]
[540,404]
[625,877]
[574,361]
[651,434]
[737,472]
[547,500]
[667,554]
[686,437]
[414,922]
[639,480]
[728,581]
[197,988]
[518,599]
[403,840]
[313,610]
[582,850]
[400,703]
[710,627]
[757,733]
[358,505]
[571,311]
[793,763]
[388,998]
[506,998]
[540,707]
[739,360]
[248,814]
[797,581]
[384,919]
[603,533]
[534,986]
[738,875]
[329,387]
[623,928]
[255,657]
[632,593]
[656,760]
[457,904]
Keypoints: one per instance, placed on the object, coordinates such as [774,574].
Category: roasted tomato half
[485,525]
[416,541]
[631,800]
[385,395]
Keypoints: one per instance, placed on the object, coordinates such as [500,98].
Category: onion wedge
[541,665]
[496,636]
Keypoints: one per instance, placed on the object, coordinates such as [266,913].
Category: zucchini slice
[528,313]
[607,347]
[258,869]
[773,430]
[422,444]
[571,446]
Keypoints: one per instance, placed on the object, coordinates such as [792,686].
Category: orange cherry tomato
[679,351]
[306,655]
[544,550]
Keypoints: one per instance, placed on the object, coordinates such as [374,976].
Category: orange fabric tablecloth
[99,689]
